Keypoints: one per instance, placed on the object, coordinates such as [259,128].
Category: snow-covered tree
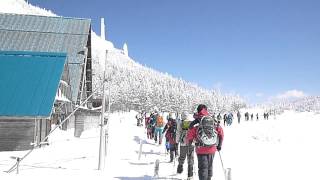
[134,86]
[308,103]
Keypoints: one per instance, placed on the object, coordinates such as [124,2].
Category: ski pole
[221,160]
[224,171]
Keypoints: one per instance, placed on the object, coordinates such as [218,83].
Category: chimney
[125,49]
[103,32]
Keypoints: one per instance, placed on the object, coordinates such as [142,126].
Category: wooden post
[140,149]
[18,163]
[156,168]
[101,146]
[84,74]
[227,173]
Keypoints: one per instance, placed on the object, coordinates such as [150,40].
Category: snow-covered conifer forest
[134,86]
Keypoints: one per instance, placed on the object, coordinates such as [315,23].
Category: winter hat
[202,110]
[200,107]
[184,115]
[172,115]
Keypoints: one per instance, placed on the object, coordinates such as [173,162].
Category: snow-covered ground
[283,148]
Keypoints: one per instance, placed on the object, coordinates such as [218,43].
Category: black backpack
[206,133]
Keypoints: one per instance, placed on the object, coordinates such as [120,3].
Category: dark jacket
[170,128]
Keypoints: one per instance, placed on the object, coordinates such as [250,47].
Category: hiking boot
[179,169]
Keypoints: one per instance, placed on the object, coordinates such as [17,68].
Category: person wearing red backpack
[205,153]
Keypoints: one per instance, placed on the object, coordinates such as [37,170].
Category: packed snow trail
[279,148]
[123,154]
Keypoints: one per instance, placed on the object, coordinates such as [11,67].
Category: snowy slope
[283,148]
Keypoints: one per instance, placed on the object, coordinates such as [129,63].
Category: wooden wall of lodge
[86,119]
[18,134]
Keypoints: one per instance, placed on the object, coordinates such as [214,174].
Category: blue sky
[256,48]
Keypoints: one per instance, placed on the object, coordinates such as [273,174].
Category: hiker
[257,116]
[153,119]
[246,116]
[159,123]
[239,117]
[214,115]
[206,146]
[219,117]
[224,119]
[170,129]
[252,117]
[167,143]
[139,119]
[149,126]
[229,119]
[186,150]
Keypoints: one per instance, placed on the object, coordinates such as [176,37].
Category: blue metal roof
[19,32]
[29,82]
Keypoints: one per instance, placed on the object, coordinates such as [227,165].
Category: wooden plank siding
[19,134]
[86,119]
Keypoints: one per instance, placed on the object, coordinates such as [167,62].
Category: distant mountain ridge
[309,103]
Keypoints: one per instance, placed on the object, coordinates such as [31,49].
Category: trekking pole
[226,172]
[221,160]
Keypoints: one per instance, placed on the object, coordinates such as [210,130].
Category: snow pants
[187,152]
[173,151]
[205,166]
[158,132]
[149,133]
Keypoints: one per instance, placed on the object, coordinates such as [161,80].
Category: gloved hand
[218,148]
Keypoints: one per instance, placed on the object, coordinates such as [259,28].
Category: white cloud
[291,94]
[259,94]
